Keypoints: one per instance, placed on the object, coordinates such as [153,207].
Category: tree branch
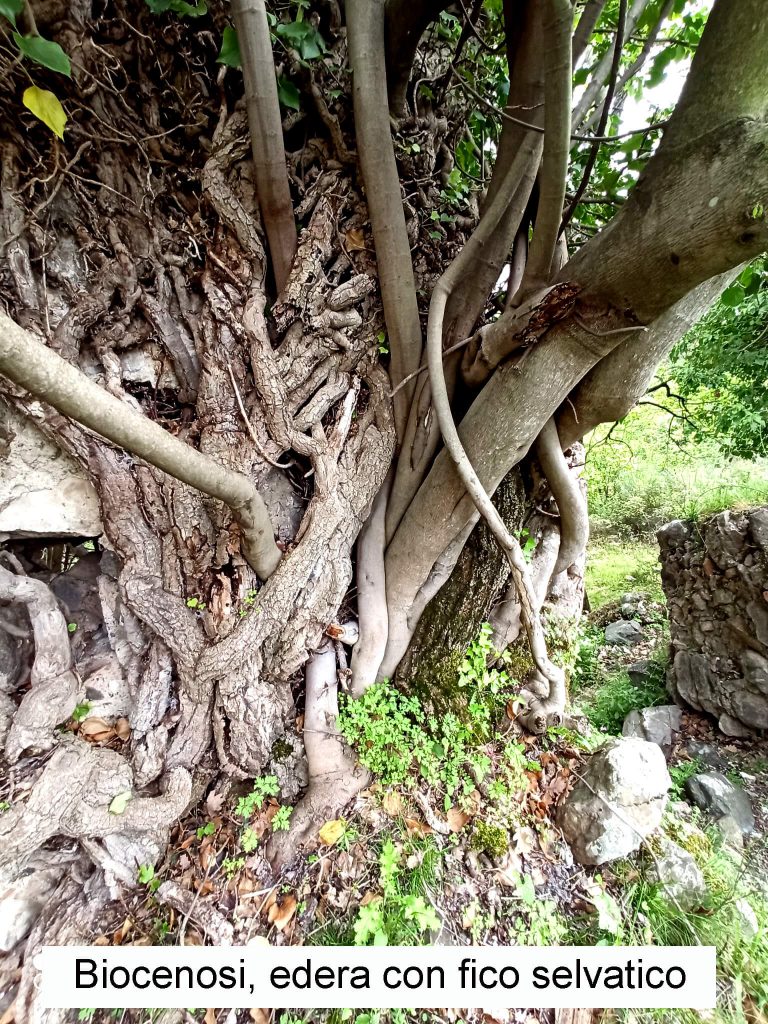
[365,19]
[406,21]
[574,518]
[266,132]
[39,370]
[557,144]
[595,149]
[586,26]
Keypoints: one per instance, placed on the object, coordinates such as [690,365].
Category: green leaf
[733,296]
[179,7]
[288,94]
[46,106]
[304,37]
[229,53]
[43,51]
[120,802]
[10,9]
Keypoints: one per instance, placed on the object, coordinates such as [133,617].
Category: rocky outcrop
[618,801]
[43,492]
[715,577]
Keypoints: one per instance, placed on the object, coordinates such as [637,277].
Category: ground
[454,840]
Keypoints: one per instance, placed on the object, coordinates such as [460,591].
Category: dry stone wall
[715,577]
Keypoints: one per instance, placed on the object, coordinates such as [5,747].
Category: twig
[249,425]
[540,130]
[604,114]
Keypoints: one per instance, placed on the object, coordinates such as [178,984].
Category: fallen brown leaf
[456,819]
[259,1016]
[281,911]
[210,1017]
[418,828]
[392,803]
[355,239]
[96,730]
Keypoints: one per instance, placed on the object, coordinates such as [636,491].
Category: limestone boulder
[618,801]
[657,725]
[43,491]
[719,797]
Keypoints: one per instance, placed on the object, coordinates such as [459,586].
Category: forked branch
[39,370]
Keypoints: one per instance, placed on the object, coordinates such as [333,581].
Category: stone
[641,671]
[654,724]
[724,539]
[707,753]
[673,534]
[731,832]
[628,776]
[44,491]
[749,926]
[624,633]
[755,669]
[719,797]
[679,875]
[758,525]
[730,726]
[758,613]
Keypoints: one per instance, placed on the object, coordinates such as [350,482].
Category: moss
[452,619]
[490,839]
[281,749]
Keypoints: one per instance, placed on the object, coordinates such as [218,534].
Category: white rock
[628,776]
[43,491]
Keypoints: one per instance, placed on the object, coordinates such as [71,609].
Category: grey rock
[718,796]
[730,726]
[680,875]
[749,924]
[758,524]
[673,534]
[624,633]
[628,776]
[755,669]
[654,724]
[724,539]
[758,613]
[640,671]
[731,832]
[707,753]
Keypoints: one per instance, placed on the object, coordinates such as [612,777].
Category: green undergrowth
[615,567]
[733,918]
[606,698]
[401,743]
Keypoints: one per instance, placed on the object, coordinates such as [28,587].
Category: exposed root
[192,908]
[371,596]
[53,695]
[334,777]
[574,517]
[74,796]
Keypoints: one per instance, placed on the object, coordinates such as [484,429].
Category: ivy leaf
[288,94]
[46,106]
[120,802]
[45,52]
[733,296]
[179,7]
[304,37]
[10,9]
[229,53]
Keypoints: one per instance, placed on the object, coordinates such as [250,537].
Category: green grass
[616,567]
